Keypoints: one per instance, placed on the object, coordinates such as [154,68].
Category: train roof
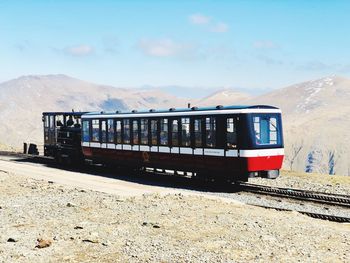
[67,113]
[187,111]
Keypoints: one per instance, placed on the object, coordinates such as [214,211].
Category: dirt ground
[66,221]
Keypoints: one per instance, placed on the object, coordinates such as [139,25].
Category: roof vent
[172,109]
[101,112]
[194,108]
[219,107]
[134,111]
[152,110]
[117,111]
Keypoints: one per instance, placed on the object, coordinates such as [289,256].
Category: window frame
[166,137]
[103,130]
[189,131]
[83,129]
[137,131]
[95,122]
[110,134]
[146,125]
[235,131]
[194,132]
[178,133]
[215,144]
[151,132]
[124,141]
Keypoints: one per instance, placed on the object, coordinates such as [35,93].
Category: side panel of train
[233,146]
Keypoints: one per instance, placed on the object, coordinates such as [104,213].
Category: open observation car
[62,136]
[234,142]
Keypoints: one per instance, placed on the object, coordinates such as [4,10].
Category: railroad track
[333,218]
[304,195]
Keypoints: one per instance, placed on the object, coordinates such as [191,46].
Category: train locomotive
[231,143]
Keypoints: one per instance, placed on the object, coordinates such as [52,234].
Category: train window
[265,129]
[185,132]
[175,133]
[95,130]
[154,132]
[118,131]
[135,132]
[198,132]
[103,131]
[144,131]
[164,131]
[273,130]
[231,133]
[59,120]
[110,131]
[210,131]
[126,133]
[77,122]
[86,131]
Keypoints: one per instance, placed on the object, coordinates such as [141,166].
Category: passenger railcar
[234,142]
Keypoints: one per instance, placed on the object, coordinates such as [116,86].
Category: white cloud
[220,27]
[79,50]
[199,19]
[265,44]
[164,48]
[206,22]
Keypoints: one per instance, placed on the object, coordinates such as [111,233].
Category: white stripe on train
[186,150]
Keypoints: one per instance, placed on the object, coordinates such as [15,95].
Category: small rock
[11,239]
[94,241]
[50,182]
[42,243]
[70,205]
[78,227]
[106,243]
[92,238]
[150,224]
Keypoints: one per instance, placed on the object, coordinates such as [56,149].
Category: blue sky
[244,44]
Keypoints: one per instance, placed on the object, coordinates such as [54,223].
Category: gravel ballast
[43,221]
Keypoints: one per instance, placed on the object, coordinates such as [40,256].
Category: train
[231,143]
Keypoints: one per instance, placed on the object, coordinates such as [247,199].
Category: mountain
[224,97]
[316,124]
[22,101]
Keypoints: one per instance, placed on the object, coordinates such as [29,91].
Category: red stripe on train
[263,163]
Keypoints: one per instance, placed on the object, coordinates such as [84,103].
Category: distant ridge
[23,99]
[224,97]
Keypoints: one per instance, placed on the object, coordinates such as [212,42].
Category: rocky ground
[42,221]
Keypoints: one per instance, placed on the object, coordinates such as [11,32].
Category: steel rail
[333,218]
[299,194]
